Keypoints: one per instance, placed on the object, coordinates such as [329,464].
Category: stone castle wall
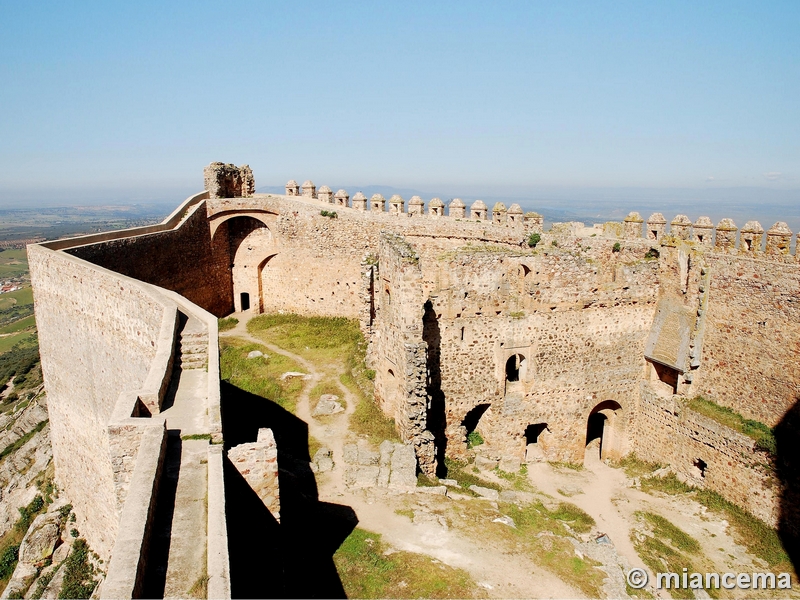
[751,345]
[182,259]
[580,346]
[98,335]
[670,434]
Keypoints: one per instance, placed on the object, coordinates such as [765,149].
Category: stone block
[40,540]
[484,463]
[508,496]
[404,467]
[362,476]
[386,449]
[383,476]
[367,457]
[534,454]
[436,490]
[510,464]
[325,464]
[483,492]
[350,454]
[327,405]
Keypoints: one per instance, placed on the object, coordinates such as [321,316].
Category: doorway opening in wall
[594,431]
[470,424]
[605,431]
[515,373]
[245,301]
[534,452]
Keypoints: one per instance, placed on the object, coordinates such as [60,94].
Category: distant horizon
[611,203]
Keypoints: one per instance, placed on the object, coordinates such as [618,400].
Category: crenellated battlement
[724,237]
[514,216]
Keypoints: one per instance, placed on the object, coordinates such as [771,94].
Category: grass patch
[554,551]
[405,512]
[313,445]
[456,469]
[13,447]
[758,537]
[197,436]
[635,466]
[227,323]
[367,572]
[368,419]
[762,434]
[667,548]
[668,484]
[260,376]
[662,558]
[326,340]
[10,541]
[314,338]
[664,530]
[566,465]
[19,325]
[20,339]
[474,439]
[575,517]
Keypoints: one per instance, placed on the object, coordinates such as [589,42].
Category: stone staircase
[192,350]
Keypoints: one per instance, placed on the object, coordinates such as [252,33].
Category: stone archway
[605,430]
[244,241]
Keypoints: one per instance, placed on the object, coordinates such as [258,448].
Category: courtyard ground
[534,541]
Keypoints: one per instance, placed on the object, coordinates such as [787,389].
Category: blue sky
[549,99]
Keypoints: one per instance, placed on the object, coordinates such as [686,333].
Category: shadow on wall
[436,419]
[788,471]
[294,558]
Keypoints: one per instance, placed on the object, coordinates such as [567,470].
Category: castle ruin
[545,342]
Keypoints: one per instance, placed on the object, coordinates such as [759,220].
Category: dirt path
[488,565]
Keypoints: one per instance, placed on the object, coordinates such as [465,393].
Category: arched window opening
[514,368]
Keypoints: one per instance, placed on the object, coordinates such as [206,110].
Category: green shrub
[28,514]
[474,439]
[534,239]
[8,561]
[329,213]
[652,254]
[617,247]
[78,582]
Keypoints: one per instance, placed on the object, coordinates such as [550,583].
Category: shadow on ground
[293,559]
[788,471]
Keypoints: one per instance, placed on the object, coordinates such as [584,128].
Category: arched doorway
[472,437]
[605,431]
[244,241]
